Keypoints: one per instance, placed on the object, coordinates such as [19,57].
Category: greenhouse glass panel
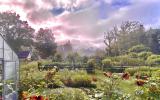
[1,42]
[1,47]
[9,72]
[15,58]
[7,52]
[1,53]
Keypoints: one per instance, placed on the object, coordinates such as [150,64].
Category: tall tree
[110,40]
[119,40]
[16,32]
[45,43]
[131,33]
[153,40]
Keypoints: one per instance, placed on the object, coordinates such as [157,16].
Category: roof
[23,54]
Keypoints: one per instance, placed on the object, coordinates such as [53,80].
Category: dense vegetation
[127,70]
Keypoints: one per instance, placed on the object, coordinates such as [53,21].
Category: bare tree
[110,38]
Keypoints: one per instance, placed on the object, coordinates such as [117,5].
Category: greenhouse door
[9,80]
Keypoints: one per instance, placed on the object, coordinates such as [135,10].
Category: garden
[59,63]
[136,83]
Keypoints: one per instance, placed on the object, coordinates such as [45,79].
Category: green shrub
[55,84]
[75,78]
[157,73]
[132,71]
[153,60]
[81,81]
[128,61]
[133,55]
[78,81]
[91,65]
[107,63]
[125,60]
[68,94]
[144,55]
[143,73]
[139,48]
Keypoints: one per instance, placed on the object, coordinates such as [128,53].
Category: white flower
[97,95]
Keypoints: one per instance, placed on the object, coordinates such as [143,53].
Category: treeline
[131,33]
[20,34]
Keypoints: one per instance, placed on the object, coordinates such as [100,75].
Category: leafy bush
[153,60]
[57,57]
[133,55]
[144,55]
[132,71]
[91,65]
[142,75]
[81,81]
[55,84]
[68,94]
[139,48]
[75,78]
[106,63]
[127,61]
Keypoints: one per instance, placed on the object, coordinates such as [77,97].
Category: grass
[127,86]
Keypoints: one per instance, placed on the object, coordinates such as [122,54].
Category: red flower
[24,94]
[125,76]
[137,76]
[107,74]
[94,79]
[140,82]
[40,98]
[33,97]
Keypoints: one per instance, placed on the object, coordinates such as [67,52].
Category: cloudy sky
[83,21]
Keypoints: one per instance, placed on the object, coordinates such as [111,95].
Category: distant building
[25,55]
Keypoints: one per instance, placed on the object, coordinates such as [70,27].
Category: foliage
[75,79]
[81,81]
[153,40]
[91,63]
[73,57]
[45,43]
[17,32]
[144,55]
[57,57]
[107,63]
[85,59]
[111,85]
[131,34]
[139,48]
[128,61]
[133,55]
[110,40]
[68,94]
[56,83]
[143,75]
[132,71]
[153,60]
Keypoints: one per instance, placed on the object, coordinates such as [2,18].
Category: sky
[83,22]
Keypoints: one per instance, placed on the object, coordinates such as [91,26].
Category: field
[134,84]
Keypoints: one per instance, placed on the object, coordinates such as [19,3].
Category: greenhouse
[9,70]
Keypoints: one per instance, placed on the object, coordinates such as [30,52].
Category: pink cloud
[75,26]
